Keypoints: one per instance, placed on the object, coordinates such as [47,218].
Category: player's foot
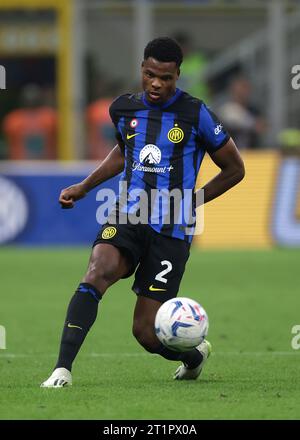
[61,377]
[184,373]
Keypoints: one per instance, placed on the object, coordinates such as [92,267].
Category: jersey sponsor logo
[150,155]
[109,232]
[156,289]
[218,129]
[136,166]
[129,136]
[134,123]
[149,158]
[175,135]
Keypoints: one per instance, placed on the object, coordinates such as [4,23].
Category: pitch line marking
[225,353]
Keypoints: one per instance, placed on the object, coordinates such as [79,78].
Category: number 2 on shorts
[160,275]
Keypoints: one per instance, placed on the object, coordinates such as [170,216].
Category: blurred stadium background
[64,61]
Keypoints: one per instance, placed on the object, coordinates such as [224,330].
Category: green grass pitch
[252,299]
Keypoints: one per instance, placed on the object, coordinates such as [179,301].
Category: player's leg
[143,330]
[157,280]
[107,265]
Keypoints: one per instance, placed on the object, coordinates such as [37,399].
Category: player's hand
[70,195]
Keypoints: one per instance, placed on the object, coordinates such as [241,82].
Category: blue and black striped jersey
[164,146]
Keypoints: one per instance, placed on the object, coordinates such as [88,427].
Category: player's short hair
[164,49]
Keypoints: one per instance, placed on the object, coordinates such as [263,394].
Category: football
[181,324]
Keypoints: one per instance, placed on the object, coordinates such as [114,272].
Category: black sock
[190,358]
[81,315]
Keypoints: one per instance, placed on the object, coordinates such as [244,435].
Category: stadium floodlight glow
[2,78]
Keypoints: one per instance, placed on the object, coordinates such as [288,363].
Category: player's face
[159,80]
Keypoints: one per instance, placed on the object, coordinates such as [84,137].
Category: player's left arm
[229,160]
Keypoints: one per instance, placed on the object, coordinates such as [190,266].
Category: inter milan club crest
[109,232]
[175,135]
[133,123]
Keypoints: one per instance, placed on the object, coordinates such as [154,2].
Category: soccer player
[163,134]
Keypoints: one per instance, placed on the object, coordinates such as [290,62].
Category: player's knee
[102,273]
[145,337]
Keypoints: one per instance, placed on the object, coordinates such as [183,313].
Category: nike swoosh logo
[129,136]
[156,289]
[73,326]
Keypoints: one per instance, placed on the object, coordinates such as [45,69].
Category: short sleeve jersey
[164,146]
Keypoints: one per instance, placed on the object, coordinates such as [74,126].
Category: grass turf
[252,300]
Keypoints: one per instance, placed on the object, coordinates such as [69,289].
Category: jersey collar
[165,104]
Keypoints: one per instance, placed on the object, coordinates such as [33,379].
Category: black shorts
[157,260]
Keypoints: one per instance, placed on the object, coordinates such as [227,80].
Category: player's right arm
[112,165]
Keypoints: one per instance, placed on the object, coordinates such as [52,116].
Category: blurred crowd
[31,130]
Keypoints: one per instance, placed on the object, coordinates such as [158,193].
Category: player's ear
[178,72]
